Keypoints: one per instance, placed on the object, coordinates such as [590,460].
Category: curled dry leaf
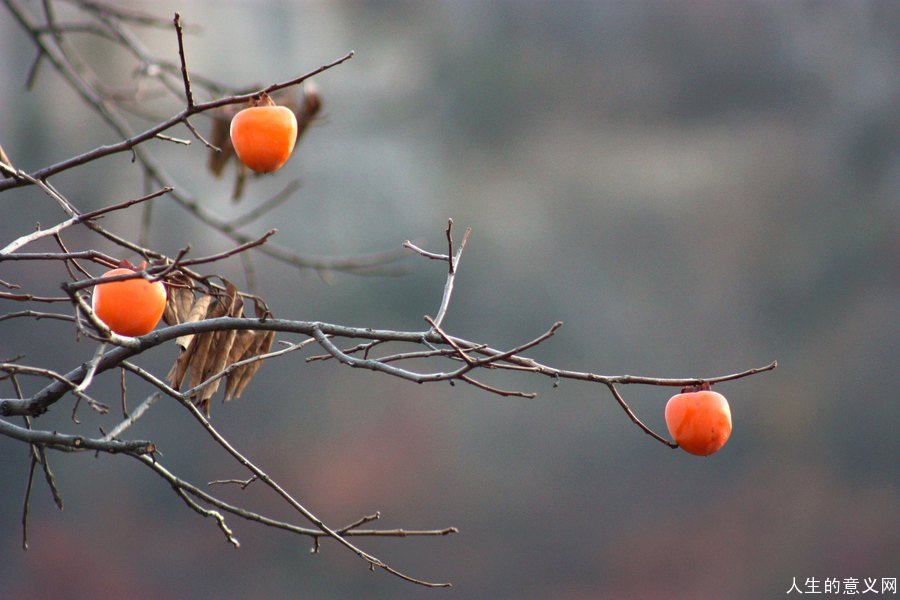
[249,345]
[179,300]
[219,137]
[197,312]
[213,348]
[5,160]
[205,355]
[309,108]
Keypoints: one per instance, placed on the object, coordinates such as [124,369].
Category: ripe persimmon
[129,307]
[699,420]
[264,134]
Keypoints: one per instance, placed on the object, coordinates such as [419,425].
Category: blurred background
[693,188]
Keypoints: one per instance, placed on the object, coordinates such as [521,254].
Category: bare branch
[214,514]
[248,515]
[132,141]
[188,94]
[633,417]
[222,255]
[312,518]
[131,418]
[452,264]
[27,501]
[125,14]
[78,218]
[243,483]
[73,443]
[49,476]
[199,136]
[465,361]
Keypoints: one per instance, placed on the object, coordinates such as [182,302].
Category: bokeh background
[693,188]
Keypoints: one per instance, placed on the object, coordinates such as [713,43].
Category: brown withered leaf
[240,377]
[244,346]
[240,182]
[255,344]
[220,137]
[201,344]
[197,311]
[205,355]
[309,108]
[187,342]
[5,160]
[213,349]
[179,299]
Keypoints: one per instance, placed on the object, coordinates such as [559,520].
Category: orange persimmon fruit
[699,420]
[129,307]
[263,135]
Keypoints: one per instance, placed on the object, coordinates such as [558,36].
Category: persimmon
[699,420]
[263,135]
[129,307]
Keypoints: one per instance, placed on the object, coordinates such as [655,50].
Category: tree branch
[74,443]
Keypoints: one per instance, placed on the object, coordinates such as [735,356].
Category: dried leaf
[202,344]
[244,344]
[240,182]
[240,377]
[205,355]
[312,104]
[188,343]
[198,311]
[220,137]
[180,368]
[211,355]
[254,344]
[184,298]
[180,298]
[5,160]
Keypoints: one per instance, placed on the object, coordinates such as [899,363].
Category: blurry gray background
[693,188]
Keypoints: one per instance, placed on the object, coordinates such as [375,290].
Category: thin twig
[92,368]
[132,141]
[188,94]
[199,136]
[271,483]
[449,340]
[243,483]
[248,515]
[634,418]
[27,501]
[130,419]
[50,478]
[236,250]
[452,265]
[214,514]
[174,140]
[78,218]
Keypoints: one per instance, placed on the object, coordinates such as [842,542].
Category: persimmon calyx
[261,99]
[703,386]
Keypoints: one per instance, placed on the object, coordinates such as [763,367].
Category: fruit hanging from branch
[129,307]
[264,134]
[699,420]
